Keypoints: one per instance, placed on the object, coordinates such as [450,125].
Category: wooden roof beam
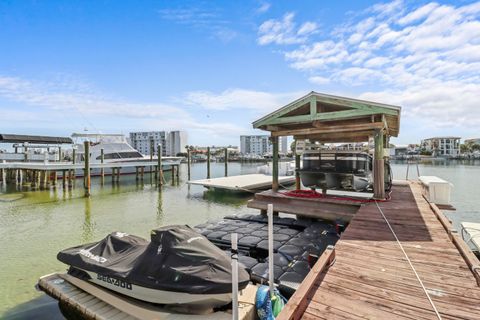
[322,128]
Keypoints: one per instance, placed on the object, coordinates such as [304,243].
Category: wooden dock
[243,183]
[327,208]
[371,277]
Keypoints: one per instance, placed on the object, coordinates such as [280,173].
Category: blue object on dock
[268,308]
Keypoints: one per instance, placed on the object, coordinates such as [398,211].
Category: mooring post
[160,170]
[64,179]
[25,150]
[113,175]
[297,171]
[142,170]
[188,164]
[226,162]
[55,178]
[59,154]
[152,149]
[208,162]
[136,173]
[86,145]
[275,164]
[102,158]
[74,150]
[378,167]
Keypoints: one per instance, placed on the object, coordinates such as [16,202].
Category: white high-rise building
[260,145]
[176,142]
[173,142]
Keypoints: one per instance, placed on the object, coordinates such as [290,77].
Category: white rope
[410,262]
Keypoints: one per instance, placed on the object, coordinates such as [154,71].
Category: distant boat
[115,150]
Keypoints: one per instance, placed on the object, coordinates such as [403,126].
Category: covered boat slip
[371,277]
[243,183]
[93,302]
[331,119]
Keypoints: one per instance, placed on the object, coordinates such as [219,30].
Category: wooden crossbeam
[322,128]
[325,116]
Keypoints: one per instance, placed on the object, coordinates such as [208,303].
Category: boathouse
[326,118]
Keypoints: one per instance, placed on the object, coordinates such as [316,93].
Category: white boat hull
[159,296]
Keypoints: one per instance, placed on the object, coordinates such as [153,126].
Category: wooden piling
[25,150]
[173,175]
[297,172]
[73,155]
[60,154]
[55,177]
[136,173]
[378,166]
[188,164]
[275,164]
[142,171]
[152,149]
[118,174]
[159,159]
[64,179]
[87,186]
[113,175]
[226,162]
[102,158]
[208,162]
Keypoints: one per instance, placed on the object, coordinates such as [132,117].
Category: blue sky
[211,68]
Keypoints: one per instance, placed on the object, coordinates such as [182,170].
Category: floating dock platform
[243,183]
[429,273]
[93,302]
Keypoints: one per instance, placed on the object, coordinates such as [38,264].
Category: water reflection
[88,226]
[159,207]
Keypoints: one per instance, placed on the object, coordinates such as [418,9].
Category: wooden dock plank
[372,279]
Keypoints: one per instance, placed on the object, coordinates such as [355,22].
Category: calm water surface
[34,226]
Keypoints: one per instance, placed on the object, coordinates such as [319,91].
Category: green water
[34,226]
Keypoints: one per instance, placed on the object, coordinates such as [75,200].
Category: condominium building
[172,142]
[442,146]
[260,145]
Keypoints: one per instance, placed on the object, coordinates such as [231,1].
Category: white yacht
[115,149]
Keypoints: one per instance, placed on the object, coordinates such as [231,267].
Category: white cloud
[264,7]
[239,99]
[426,58]
[319,80]
[207,19]
[285,31]
[55,97]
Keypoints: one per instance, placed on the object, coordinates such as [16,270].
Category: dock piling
[226,162]
[159,159]
[102,158]
[188,163]
[275,184]
[208,162]
[86,145]
[297,172]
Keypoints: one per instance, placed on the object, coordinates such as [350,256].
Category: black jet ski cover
[177,259]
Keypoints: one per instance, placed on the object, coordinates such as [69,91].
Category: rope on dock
[409,262]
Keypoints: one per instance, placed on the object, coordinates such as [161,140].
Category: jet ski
[177,267]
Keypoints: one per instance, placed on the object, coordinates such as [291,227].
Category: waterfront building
[260,145]
[442,146]
[172,142]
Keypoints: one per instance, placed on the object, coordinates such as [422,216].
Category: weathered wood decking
[372,279]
